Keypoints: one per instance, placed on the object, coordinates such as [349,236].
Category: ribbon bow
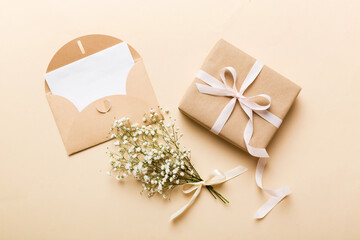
[217,88]
[216,177]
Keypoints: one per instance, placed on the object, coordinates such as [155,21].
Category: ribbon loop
[234,76]
[249,106]
[215,177]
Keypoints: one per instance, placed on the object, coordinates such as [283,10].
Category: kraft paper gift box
[244,102]
[87,123]
[205,108]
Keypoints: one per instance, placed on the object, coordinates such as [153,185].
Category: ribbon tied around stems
[216,177]
[249,106]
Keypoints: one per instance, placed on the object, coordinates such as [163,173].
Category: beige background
[46,195]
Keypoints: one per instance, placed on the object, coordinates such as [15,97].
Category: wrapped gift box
[205,108]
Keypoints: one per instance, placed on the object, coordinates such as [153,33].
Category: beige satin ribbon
[216,177]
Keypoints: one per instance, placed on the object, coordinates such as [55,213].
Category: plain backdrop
[44,194]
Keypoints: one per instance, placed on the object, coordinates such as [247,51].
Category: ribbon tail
[257,152]
[235,172]
[181,210]
[277,195]
[223,117]
[217,177]
[248,132]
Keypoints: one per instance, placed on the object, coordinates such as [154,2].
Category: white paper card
[98,75]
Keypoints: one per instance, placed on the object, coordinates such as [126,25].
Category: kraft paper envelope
[83,114]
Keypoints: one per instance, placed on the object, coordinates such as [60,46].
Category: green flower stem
[213,191]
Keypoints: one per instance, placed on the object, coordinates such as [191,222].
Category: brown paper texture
[205,109]
[91,126]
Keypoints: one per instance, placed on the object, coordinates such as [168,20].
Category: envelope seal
[103,106]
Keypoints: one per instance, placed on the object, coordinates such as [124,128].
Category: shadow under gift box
[205,109]
[89,127]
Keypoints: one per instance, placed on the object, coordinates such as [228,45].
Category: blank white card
[96,76]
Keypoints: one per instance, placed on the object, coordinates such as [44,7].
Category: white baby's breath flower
[127,166]
[151,154]
[146,178]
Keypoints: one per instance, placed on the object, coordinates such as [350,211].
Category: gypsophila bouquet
[151,153]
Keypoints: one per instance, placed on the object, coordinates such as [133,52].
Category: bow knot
[248,104]
[239,95]
[216,177]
